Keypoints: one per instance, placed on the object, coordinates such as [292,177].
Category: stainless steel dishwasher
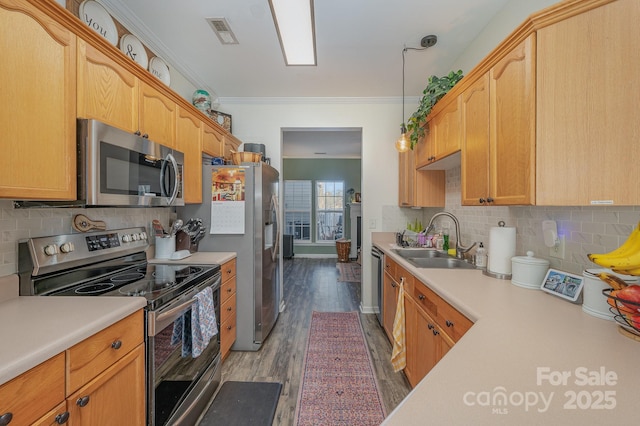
[377,271]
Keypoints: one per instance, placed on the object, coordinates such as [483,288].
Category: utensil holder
[165,247]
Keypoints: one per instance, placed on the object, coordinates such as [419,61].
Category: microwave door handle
[170,160]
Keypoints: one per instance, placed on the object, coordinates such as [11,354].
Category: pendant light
[403,144]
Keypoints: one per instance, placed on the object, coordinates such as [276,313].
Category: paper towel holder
[498,275]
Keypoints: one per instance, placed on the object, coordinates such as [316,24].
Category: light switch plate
[558,250]
[372,224]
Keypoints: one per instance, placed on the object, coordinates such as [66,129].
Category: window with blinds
[298,204]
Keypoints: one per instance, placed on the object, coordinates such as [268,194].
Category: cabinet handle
[229,309]
[62,418]
[81,402]
[489,200]
[116,345]
[435,332]
[6,418]
[430,326]
[482,200]
[137,133]
[449,323]
[229,290]
[421,297]
[229,327]
[393,284]
[146,136]
[228,271]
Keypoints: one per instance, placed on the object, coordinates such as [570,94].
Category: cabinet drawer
[227,335]
[451,321]
[229,270]
[227,289]
[90,357]
[228,308]
[390,266]
[402,273]
[51,418]
[426,299]
[35,392]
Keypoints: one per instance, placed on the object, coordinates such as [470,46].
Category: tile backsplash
[589,229]
[18,224]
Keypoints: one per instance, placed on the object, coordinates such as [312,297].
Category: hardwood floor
[311,284]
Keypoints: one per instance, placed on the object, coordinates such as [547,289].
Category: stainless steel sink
[440,262]
[416,253]
[426,258]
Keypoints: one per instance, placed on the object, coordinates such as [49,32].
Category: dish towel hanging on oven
[203,321]
[399,355]
[196,329]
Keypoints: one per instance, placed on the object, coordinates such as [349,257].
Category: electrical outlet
[372,224]
[557,251]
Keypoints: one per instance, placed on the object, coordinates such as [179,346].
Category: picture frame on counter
[563,284]
[222,119]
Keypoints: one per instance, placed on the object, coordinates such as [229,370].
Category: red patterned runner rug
[338,385]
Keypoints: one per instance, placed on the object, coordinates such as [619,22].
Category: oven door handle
[173,311]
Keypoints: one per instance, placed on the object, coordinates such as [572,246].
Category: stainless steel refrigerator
[257,276]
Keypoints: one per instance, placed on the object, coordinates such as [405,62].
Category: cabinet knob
[489,200]
[421,297]
[430,326]
[229,290]
[229,327]
[482,200]
[435,332]
[229,309]
[229,271]
[449,323]
[137,133]
[393,284]
[5,419]
[81,402]
[62,418]
[116,345]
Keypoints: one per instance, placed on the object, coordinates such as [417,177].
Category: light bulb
[402,144]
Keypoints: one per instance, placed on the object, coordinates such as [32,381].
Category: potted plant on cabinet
[436,88]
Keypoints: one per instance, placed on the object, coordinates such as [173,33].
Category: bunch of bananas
[623,260]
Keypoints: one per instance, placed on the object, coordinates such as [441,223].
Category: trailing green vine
[436,88]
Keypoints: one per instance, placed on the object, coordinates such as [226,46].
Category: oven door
[179,386]
[124,169]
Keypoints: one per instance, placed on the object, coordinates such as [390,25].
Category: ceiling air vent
[223,31]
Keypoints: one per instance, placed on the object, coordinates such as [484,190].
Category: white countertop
[33,329]
[519,339]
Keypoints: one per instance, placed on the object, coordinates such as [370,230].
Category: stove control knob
[126,238]
[143,236]
[51,249]
[135,237]
[67,247]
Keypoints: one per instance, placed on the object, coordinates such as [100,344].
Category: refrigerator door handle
[275,211]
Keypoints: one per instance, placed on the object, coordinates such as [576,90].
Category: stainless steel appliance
[258,275]
[377,272]
[118,168]
[113,263]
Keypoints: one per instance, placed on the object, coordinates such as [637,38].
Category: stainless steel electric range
[113,263]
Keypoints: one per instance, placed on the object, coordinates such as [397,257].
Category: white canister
[528,271]
[593,301]
[165,247]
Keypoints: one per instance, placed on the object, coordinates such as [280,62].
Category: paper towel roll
[502,247]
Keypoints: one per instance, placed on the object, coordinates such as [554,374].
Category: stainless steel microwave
[121,169]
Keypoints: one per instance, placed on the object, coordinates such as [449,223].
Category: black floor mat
[244,403]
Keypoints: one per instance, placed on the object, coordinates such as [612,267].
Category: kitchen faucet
[460,249]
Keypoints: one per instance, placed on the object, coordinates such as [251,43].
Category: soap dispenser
[481,256]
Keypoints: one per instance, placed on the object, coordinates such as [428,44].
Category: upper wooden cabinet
[106,90]
[498,132]
[37,105]
[446,130]
[419,188]
[212,140]
[587,111]
[157,116]
[189,142]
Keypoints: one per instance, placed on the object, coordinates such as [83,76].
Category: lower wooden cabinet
[432,326]
[99,381]
[228,307]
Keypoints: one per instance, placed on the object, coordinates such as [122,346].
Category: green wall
[347,170]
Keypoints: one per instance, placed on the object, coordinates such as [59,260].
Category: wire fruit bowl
[626,313]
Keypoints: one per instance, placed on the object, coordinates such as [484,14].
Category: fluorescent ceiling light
[296,30]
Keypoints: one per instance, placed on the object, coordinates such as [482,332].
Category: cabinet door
[212,140]
[406,170]
[157,116]
[475,143]
[446,130]
[106,90]
[390,301]
[512,96]
[189,142]
[587,108]
[117,396]
[425,348]
[37,105]
[425,148]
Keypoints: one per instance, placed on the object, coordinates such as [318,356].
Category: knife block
[183,242]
